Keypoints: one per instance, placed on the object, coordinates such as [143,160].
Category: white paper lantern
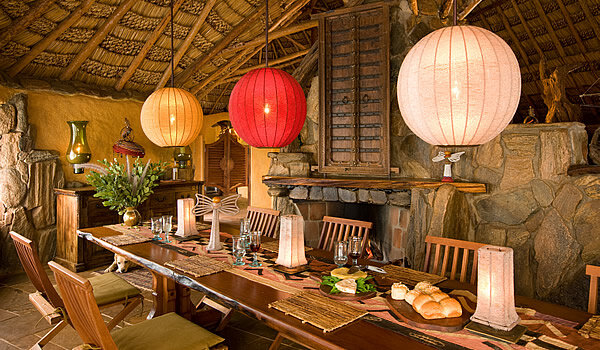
[459,85]
[186,220]
[291,242]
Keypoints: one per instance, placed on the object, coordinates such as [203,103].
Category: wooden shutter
[354,91]
[226,163]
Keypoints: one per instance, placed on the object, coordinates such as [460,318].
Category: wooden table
[171,293]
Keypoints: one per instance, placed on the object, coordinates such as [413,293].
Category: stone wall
[27,181]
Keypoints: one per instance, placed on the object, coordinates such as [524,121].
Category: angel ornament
[448,158]
[205,205]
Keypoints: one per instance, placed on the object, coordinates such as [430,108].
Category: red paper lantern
[267,108]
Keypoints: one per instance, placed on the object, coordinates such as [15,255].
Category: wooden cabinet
[354,78]
[76,208]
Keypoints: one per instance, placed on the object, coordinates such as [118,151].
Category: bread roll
[410,296]
[438,295]
[399,291]
[451,307]
[432,310]
[420,300]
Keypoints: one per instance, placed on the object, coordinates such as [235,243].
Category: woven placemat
[199,265]
[409,276]
[273,246]
[591,329]
[125,239]
[320,311]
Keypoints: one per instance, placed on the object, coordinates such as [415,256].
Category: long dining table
[171,292]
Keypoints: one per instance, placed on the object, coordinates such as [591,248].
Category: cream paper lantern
[171,117]
[459,85]
[186,220]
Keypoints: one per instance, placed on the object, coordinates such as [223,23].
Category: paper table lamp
[291,242]
[186,220]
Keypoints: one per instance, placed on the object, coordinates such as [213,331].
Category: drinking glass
[239,250]
[156,227]
[245,231]
[255,247]
[167,224]
[355,249]
[341,253]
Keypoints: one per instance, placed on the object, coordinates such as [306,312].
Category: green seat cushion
[166,332]
[109,288]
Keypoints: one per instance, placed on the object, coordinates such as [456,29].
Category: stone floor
[21,325]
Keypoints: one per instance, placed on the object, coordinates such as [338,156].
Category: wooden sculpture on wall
[205,205]
[560,109]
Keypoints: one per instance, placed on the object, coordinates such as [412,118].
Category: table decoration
[186,220]
[125,239]
[255,247]
[167,225]
[205,205]
[320,311]
[199,265]
[291,242]
[238,249]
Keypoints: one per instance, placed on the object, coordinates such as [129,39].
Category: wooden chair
[47,301]
[441,259]
[169,331]
[264,220]
[594,272]
[339,229]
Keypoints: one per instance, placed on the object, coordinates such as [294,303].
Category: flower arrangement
[127,185]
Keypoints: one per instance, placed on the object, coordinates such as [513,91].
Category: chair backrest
[454,248]
[594,272]
[33,267]
[264,220]
[340,229]
[82,309]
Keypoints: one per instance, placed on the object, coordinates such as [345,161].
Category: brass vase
[131,217]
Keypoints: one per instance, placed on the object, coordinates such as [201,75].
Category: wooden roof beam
[446,8]
[244,25]
[274,62]
[527,29]
[208,5]
[279,66]
[590,17]
[43,44]
[548,25]
[511,33]
[219,99]
[470,7]
[93,43]
[23,22]
[139,58]
[571,26]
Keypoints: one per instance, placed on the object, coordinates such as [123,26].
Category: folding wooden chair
[339,229]
[264,220]
[168,331]
[111,290]
[441,259]
[594,272]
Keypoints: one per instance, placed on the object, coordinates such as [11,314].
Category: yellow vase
[131,217]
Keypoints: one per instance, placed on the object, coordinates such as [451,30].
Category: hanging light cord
[172,60]
[267,34]
[455,15]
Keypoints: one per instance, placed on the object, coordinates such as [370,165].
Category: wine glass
[239,250]
[245,231]
[255,247]
[167,224]
[156,227]
[341,253]
[355,249]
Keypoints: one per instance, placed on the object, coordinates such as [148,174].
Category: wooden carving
[560,109]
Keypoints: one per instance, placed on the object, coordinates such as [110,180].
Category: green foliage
[124,186]
[362,286]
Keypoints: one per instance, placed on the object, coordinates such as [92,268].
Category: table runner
[539,335]
[273,246]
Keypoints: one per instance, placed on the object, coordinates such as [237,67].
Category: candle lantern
[78,151]
[291,242]
[186,220]
[495,289]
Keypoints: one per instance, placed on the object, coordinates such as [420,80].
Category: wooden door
[354,91]
[226,163]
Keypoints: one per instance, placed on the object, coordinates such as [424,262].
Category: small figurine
[448,158]
[205,205]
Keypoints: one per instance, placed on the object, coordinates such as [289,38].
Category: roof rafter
[446,8]
[208,5]
[527,29]
[139,58]
[22,22]
[548,25]
[467,9]
[590,17]
[571,26]
[50,38]
[93,43]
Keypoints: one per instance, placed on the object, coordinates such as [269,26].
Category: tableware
[325,290]
[375,268]
[156,228]
[167,224]
[239,250]
[245,231]
[341,253]
[255,247]
[355,249]
[405,311]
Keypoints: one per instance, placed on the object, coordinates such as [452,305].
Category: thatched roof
[123,45]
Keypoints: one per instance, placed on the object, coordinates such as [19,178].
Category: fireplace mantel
[370,183]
